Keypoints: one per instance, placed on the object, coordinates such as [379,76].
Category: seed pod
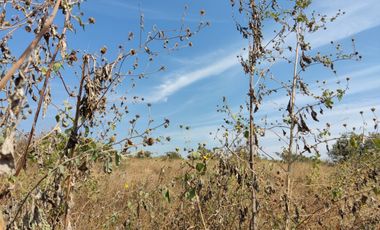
[149,141]
[91,20]
[103,50]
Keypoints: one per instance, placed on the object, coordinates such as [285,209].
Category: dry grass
[104,201]
[132,196]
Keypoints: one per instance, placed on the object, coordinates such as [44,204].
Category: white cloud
[179,81]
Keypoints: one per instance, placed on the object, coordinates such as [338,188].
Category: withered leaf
[314,115]
[306,148]
[256,109]
[306,58]
[302,126]
[288,107]
[303,87]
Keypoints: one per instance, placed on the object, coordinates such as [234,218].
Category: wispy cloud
[179,81]
[359,16]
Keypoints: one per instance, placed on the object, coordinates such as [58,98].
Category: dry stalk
[201,213]
[71,147]
[291,136]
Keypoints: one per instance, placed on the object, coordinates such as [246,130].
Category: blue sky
[196,78]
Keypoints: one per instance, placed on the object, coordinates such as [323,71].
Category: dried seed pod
[91,20]
[149,141]
[103,50]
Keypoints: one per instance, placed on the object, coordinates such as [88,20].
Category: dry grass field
[149,193]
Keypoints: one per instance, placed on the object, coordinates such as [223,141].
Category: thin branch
[31,46]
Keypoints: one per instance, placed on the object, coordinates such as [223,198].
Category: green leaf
[187,177]
[57,66]
[195,155]
[117,158]
[93,145]
[190,194]
[167,195]
[108,166]
[43,70]
[65,123]
[200,167]
[336,193]
[340,94]
[68,131]
[86,131]
[328,103]
[303,3]
[95,155]
[353,142]
[302,18]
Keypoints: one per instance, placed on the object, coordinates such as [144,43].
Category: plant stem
[71,147]
[291,135]
[252,151]
[255,51]
[201,213]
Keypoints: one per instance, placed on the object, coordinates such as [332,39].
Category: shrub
[173,155]
[352,144]
[144,154]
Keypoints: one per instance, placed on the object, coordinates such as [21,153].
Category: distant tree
[349,145]
[294,158]
[173,155]
[144,154]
